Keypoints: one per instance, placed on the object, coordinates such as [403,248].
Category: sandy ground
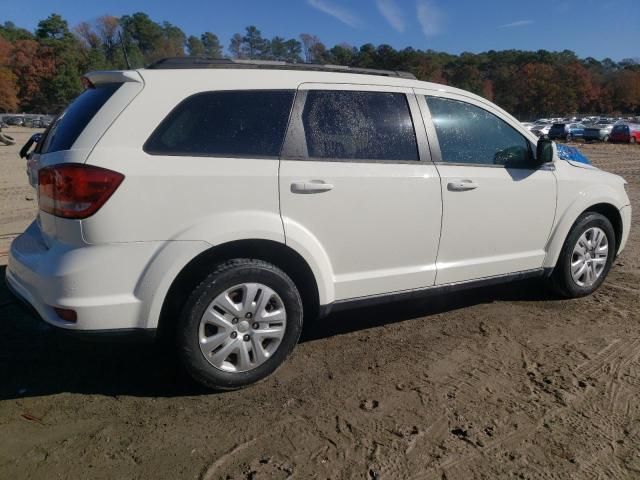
[494,383]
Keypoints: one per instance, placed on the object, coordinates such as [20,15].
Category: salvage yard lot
[492,383]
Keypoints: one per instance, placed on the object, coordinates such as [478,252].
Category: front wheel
[605,139]
[632,140]
[586,256]
[240,324]
[569,138]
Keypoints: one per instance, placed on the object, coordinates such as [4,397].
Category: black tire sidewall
[240,271]
[563,270]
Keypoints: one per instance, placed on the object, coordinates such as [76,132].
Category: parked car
[600,131]
[541,128]
[625,133]
[566,131]
[15,121]
[222,206]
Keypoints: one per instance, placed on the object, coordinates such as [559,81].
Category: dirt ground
[493,383]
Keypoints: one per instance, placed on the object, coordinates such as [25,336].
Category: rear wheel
[586,256]
[632,139]
[239,324]
[569,137]
[605,139]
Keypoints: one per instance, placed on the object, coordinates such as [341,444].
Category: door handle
[314,186]
[461,185]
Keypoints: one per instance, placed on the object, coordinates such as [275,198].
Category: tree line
[41,71]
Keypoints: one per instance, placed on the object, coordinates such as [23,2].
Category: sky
[591,28]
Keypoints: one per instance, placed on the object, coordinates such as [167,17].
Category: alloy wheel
[589,257]
[242,328]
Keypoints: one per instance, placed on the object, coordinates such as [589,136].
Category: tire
[562,280]
[228,284]
[632,140]
[569,138]
[6,139]
[605,139]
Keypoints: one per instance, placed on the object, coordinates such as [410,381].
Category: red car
[626,133]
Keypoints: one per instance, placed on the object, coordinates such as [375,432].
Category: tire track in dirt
[606,364]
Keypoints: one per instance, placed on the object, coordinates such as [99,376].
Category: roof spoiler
[112,76]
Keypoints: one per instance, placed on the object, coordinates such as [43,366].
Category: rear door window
[356,125]
[68,126]
[249,123]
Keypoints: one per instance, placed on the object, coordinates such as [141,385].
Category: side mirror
[544,150]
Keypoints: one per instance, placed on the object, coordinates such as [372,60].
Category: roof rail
[176,63]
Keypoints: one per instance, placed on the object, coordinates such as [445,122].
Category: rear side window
[359,125]
[66,129]
[230,123]
[471,135]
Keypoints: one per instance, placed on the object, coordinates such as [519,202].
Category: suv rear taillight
[75,190]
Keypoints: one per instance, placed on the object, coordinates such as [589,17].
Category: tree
[33,66]
[253,45]
[54,34]
[313,49]
[92,48]
[8,81]
[173,42]
[41,71]
[142,34]
[110,33]
[12,33]
[235,46]
[195,46]
[625,91]
[54,28]
[211,44]
[284,50]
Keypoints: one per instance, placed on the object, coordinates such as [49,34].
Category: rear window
[231,123]
[68,126]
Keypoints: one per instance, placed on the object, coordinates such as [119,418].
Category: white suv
[219,202]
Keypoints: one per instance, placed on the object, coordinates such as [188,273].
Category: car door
[357,185]
[498,206]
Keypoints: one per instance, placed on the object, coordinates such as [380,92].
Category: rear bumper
[118,335]
[97,282]
[620,138]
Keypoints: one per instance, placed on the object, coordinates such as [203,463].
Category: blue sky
[596,28]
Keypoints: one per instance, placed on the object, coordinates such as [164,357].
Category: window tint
[359,125]
[469,134]
[68,126]
[242,123]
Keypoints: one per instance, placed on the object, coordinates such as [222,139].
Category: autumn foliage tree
[8,83]
[40,71]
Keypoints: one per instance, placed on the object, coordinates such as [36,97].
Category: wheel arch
[276,253]
[605,208]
